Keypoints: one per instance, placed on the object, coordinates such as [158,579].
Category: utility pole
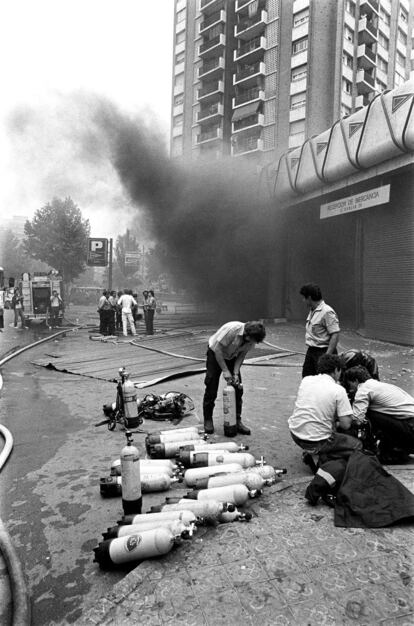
[110,266]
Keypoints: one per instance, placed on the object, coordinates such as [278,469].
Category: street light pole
[110,266]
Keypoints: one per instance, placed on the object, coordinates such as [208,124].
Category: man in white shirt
[127,301]
[388,408]
[226,352]
[321,403]
[322,328]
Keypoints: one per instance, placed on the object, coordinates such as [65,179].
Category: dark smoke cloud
[211,218]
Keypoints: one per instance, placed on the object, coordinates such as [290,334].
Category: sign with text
[132,258]
[363,200]
[97,252]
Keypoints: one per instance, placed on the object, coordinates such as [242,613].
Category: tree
[13,257]
[58,235]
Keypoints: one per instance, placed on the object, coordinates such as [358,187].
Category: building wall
[363,261]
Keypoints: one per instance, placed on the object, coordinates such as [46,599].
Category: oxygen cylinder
[111,486]
[167,450]
[268,472]
[200,508]
[197,473]
[130,470]
[228,446]
[149,466]
[237,494]
[129,396]
[172,435]
[229,411]
[130,529]
[136,547]
[252,480]
[201,459]
[187,429]
[185,516]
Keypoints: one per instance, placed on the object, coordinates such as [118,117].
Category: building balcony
[177,131]
[251,27]
[347,72]
[255,120]
[252,50]
[210,135]
[365,82]
[210,90]
[297,113]
[248,74]
[210,113]
[297,86]
[245,145]
[209,6]
[240,4]
[251,95]
[359,102]
[367,31]
[212,47]
[366,58]
[212,20]
[212,68]
[368,7]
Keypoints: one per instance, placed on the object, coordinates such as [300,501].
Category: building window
[297,127]
[350,7]
[180,37]
[300,45]
[346,86]
[298,100]
[179,100]
[399,79]
[380,86]
[345,110]
[400,59]
[349,34]
[403,15]
[383,41]
[402,37]
[178,120]
[180,57]
[381,64]
[299,73]
[347,60]
[384,16]
[179,82]
[301,18]
[181,15]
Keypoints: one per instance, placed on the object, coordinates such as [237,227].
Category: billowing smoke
[210,219]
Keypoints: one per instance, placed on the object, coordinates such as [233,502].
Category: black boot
[241,428]
[208,425]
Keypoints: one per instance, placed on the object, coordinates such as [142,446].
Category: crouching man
[226,352]
[320,405]
[389,410]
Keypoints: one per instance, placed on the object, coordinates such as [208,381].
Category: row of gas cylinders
[222,476]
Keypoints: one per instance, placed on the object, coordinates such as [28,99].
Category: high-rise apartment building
[253,78]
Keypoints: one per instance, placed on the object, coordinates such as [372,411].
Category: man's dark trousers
[211,382]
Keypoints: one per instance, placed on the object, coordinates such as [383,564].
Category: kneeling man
[321,403]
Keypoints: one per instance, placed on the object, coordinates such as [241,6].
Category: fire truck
[37,290]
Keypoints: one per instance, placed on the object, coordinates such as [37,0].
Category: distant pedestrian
[127,302]
[151,308]
[322,328]
[104,310]
[135,309]
[56,305]
[145,296]
[113,301]
[17,305]
[118,316]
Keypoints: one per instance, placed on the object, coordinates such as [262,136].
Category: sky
[58,58]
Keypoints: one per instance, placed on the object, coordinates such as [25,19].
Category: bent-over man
[226,352]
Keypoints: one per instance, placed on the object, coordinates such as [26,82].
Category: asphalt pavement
[288,565]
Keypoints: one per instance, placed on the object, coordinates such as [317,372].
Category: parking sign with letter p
[97,252]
